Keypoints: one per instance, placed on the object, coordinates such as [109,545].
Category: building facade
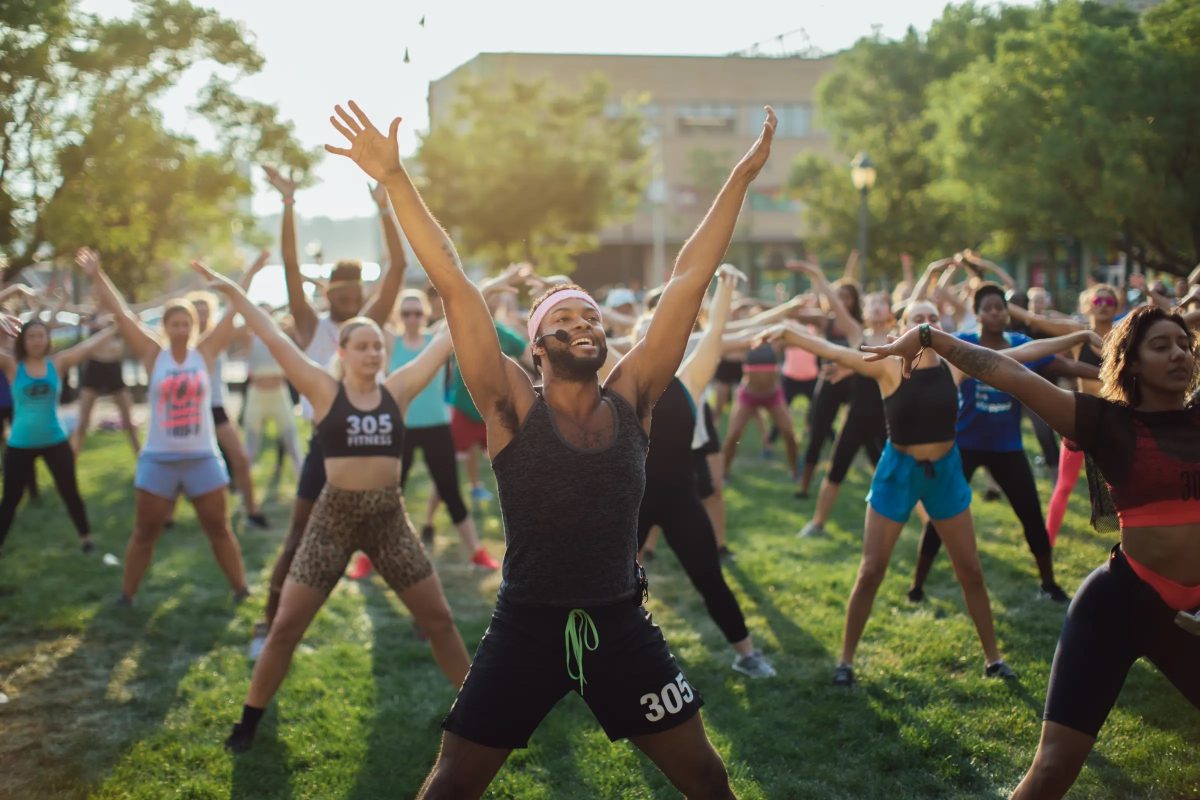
[702,113]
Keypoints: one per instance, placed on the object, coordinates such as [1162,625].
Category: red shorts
[768,401]
[466,432]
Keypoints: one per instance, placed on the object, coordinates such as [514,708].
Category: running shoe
[991,496]
[261,629]
[725,554]
[483,559]
[87,546]
[362,568]
[240,740]
[1052,591]
[754,665]
[427,536]
[800,494]
[257,521]
[843,675]
[481,495]
[999,669]
[124,601]
[915,595]
[240,595]
[813,528]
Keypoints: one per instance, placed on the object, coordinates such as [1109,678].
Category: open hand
[756,158]
[88,260]
[907,348]
[215,280]
[10,325]
[728,272]
[376,154]
[807,267]
[379,195]
[285,186]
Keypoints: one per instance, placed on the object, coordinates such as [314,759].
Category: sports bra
[349,432]
[1089,356]
[1149,462]
[761,359]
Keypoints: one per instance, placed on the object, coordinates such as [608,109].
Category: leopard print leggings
[372,520]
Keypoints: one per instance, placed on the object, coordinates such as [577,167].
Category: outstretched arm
[1054,326]
[409,380]
[795,336]
[308,378]
[1055,405]
[303,315]
[140,341]
[77,353]
[496,383]
[698,368]
[383,300]
[644,373]
[1038,349]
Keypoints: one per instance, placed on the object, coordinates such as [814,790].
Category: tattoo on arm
[978,362]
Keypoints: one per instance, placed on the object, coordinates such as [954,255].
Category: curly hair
[981,293]
[1118,383]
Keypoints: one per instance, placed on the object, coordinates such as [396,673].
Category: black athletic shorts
[728,371]
[102,377]
[713,445]
[312,472]
[219,415]
[633,685]
[704,480]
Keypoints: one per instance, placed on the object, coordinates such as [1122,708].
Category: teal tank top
[35,410]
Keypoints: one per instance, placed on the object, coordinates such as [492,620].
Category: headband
[535,319]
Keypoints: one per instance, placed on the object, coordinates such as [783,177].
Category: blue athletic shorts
[900,481]
[166,477]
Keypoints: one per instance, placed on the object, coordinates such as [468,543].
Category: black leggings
[792,389]
[6,415]
[867,432]
[822,411]
[1012,473]
[1046,439]
[1114,620]
[19,464]
[687,528]
[437,446]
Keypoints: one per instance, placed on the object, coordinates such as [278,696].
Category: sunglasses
[1104,300]
[412,313]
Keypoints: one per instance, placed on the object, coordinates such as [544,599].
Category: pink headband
[535,319]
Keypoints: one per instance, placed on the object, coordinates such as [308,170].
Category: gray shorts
[166,477]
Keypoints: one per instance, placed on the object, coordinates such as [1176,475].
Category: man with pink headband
[570,464]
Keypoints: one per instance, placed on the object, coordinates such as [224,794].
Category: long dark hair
[1118,383]
[19,349]
[855,310]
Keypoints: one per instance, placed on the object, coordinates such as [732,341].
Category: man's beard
[570,367]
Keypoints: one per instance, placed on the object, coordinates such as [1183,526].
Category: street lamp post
[862,175]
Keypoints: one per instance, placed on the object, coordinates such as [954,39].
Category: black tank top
[865,399]
[1089,356]
[570,515]
[924,409]
[672,427]
[833,338]
[348,432]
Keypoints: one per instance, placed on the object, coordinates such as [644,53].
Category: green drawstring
[580,633]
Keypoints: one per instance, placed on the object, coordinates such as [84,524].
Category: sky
[318,54]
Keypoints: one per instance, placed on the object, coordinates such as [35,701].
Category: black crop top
[1089,356]
[763,355]
[349,432]
[924,409]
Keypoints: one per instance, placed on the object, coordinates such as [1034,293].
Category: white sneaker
[754,665]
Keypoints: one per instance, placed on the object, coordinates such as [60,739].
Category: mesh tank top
[570,515]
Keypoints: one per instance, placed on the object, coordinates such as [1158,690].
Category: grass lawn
[110,703]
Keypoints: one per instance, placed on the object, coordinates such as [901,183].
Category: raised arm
[383,299]
[309,379]
[68,358]
[928,279]
[645,372]
[769,317]
[848,324]
[1037,349]
[698,368]
[495,382]
[255,267]
[144,346]
[219,337]
[304,316]
[409,380]
[1054,326]
[1002,274]
[1055,405]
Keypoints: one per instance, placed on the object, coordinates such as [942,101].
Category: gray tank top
[570,515]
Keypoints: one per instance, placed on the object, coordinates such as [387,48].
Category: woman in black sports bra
[1099,304]
[360,423]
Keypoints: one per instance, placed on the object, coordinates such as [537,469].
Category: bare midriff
[926,451]
[1172,551]
[362,472]
[267,382]
[761,383]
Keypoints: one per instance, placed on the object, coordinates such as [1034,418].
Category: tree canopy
[84,155]
[1016,126]
[521,171]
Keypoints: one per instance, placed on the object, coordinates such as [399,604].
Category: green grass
[134,704]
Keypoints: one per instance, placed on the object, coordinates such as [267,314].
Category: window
[795,120]
[706,118]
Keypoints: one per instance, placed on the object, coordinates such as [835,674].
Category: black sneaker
[1052,591]
[87,546]
[725,554]
[258,520]
[915,595]
[427,536]
[240,740]
[999,669]
[123,601]
[991,496]
[240,595]
[843,675]
[800,494]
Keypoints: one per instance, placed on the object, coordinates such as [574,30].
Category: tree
[84,156]
[522,170]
